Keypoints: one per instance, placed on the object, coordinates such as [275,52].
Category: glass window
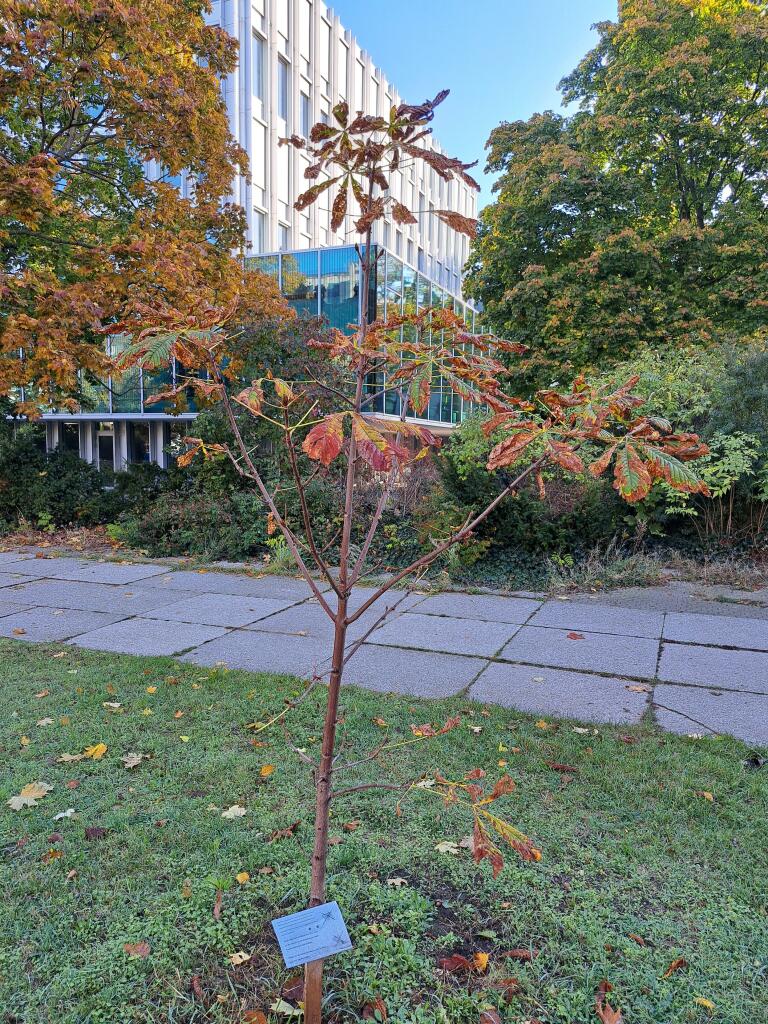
[394,285]
[259,231]
[299,281]
[69,437]
[106,445]
[409,290]
[138,442]
[258,48]
[306,115]
[340,286]
[265,264]
[282,90]
[283,237]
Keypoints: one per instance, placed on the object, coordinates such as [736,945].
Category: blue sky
[501,59]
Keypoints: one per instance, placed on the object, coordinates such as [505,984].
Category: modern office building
[296,62]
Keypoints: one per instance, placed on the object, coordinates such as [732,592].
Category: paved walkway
[697,656]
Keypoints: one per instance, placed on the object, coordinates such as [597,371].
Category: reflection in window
[299,281]
[69,437]
[258,67]
[282,90]
[138,442]
[339,286]
[305,112]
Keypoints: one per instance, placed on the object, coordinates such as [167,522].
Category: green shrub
[575,515]
[51,488]
[230,526]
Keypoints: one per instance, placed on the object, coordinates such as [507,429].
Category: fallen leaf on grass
[541,724]
[235,811]
[242,877]
[603,1008]
[239,958]
[283,833]
[705,794]
[51,855]
[489,1016]
[65,758]
[95,752]
[285,1009]
[266,770]
[151,689]
[556,766]
[706,1003]
[184,739]
[43,693]
[131,760]
[676,965]
[96,832]
[254,1017]
[455,964]
[138,949]
[72,784]
[64,814]
[396,882]
[520,954]
[24,741]
[480,962]
[448,847]
[382,724]
[509,987]
[351,826]
[377,1010]
[293,989]
[44,721]
[29,795]
[637,938]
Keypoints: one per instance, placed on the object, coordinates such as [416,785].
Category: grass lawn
[630,848]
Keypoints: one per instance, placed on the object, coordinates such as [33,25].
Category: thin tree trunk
[313,972]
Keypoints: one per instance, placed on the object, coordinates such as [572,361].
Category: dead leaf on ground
[236,959]
[138,949]
[603,1008]
[377,1010]
[448,847]
[29,795]
[51,855]
[455,964]
[523,955]
[293,989]
[575,636]
[235,811]
[96,832]
[132,760]
[254,1017]
[489,1016]
[676,965]
[638,689]
[95,752]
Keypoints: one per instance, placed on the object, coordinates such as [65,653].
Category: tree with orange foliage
[584,429]
[91,91]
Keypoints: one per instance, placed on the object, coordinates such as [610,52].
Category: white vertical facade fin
[305,42]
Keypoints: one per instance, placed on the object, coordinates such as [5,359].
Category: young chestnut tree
[583,430]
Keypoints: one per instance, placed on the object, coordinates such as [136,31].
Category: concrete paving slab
[677,596]
[719,630]
[548,691]
[480,606]
[218,609]
[744,715]
[599,618]
[112,572]
[14,556]
[280,588]
[308,618]
[9,607]
[596,652]
[261,652]
[714,667]
[46,624]
[418,673]
[117,600]
[8,579]
[441,633]
[143,636]
[59,568]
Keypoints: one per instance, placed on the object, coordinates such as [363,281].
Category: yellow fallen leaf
[184,739]
[29,795]
[151,689]
[541,724]
[186,889]
[706,1003]
[502,764]
[64,720]
[266,770]
[480,962]
[502,748]
[147,711]
[239,958]
[178,714]
[95,752]
[705,794]
[43,693]
[24,741]
[242,877]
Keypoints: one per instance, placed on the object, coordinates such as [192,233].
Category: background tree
[353,156]
[640,219]
[90,90]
